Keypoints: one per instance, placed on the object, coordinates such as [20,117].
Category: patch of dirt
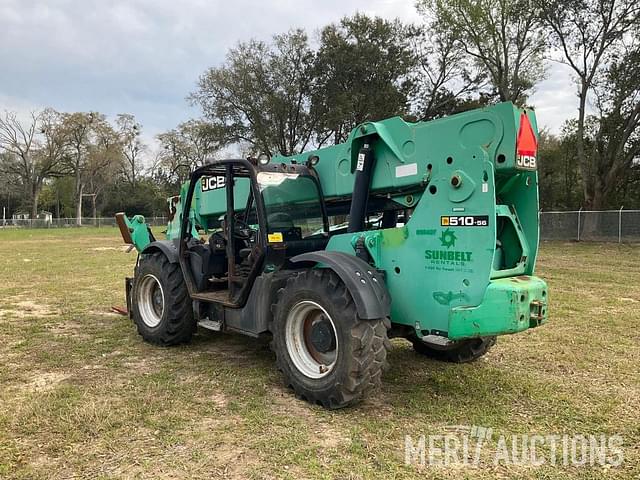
[230,459]
[93,367]
[114,353]
[286,403]
[238,354]
[143,365]
[329,437]
[322,433]
[28,308]
[107,313]
[203,448]
[122,248]
[219,399]
[68,328]
[43,382]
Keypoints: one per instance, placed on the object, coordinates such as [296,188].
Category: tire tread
[369,342]
[180,325]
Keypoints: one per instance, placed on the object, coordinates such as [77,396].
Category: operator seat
[218,249]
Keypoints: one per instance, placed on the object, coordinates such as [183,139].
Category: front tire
[463,351]
[327,354]
[161,305]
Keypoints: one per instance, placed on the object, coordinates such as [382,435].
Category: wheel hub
[322,337]
[311,339]
[157,300]
[150,300]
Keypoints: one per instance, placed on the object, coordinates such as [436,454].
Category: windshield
[292,204]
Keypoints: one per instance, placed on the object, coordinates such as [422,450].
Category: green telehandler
[426,231]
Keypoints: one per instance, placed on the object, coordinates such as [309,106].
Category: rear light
[526,145]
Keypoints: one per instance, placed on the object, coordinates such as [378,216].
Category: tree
[445,80]
[557,172]
[147,198]
[616,143]
[362,74]
[77,127]
[33,151]
[185,148]
[104,162]
[261,95]
[503,37]
[132,146]
[93,148]
[586,33]
[10,189]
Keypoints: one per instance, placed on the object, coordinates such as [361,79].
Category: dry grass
[82,396]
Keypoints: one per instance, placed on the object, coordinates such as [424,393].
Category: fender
[167,247]
[365,284]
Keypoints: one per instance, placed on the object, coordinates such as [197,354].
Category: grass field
[82,396]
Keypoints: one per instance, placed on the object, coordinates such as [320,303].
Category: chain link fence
[72,222]
[578,225]
[591,226]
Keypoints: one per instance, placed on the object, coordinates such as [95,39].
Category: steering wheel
[242,230]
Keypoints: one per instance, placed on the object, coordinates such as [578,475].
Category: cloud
[555,99]
[138,56]
[144,56]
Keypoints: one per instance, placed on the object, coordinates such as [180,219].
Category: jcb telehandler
[427,231]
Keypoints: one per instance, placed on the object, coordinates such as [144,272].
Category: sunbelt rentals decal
[448,258]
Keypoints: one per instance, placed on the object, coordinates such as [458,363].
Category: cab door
[225,256]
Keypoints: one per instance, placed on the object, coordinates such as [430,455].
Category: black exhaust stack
[360,198]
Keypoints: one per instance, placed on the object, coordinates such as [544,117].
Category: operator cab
[251,218]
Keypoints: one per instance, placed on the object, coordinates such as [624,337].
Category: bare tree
[77,128]
[104,162]
[501,36]
[186,147]
[92,148]
[33,150]
[586,33]
[445,79]
[616,144]
[132,146]
[10,189]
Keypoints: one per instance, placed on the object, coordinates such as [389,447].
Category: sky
[145,56]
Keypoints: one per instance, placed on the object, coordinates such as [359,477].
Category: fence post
[620,224]
[579,214]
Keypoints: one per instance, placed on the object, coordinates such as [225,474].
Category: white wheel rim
[305,356]
[150,300]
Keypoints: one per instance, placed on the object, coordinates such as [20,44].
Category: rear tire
[463,351]
[327,354]
[161,305]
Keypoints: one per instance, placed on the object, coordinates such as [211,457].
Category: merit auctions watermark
[475,445]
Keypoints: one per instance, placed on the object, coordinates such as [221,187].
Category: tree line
[299,91]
